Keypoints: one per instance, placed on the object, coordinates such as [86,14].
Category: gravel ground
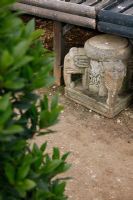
[101,152]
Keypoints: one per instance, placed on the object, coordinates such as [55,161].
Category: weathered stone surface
[104,70]
[96,78]
[115,71]
[129,80]
[106,47]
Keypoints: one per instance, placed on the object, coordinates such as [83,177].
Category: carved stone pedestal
[99,75]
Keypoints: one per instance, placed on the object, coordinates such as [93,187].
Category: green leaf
[4,102]
[28,73]
[44,103]
[23,171]
[5,116]
[48,118]
[21,192]
[43,147]
[20,145]
[65,167]
[26,185]
[13,129]
[40,194]
[21,48]
[36,34]
[64,157]
[54,114]
[51,166]
[56,153]
[6,60]
[6,2]
[30,27]
[15,85]
[44,119]
[10,173]
[36,149]
[28,159]
[54,102]
[38,159]
[59,188]
[23,61]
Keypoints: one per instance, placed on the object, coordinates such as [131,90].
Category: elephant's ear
[81,61]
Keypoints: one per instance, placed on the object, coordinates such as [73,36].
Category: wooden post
[59,52]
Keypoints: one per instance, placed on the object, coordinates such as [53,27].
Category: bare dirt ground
[101,149]
[101,152]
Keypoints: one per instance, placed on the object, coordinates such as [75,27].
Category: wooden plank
[103,4]
[72,8]
[115,18]
[122,6]
[91,2]
[59,51]
[98,4]
[128,11]
[73,1]
[55,15]
[115,29]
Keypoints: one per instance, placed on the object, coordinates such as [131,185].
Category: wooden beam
[56,15]
[59,51]
[105,3]
[72,8]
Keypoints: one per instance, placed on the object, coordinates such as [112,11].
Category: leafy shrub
[26,172]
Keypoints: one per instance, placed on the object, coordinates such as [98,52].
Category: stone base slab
[98,106]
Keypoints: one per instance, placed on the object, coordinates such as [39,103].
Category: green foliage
[26,172]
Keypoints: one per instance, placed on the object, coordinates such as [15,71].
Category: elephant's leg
[67,79]
[85,83]
[112,98]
